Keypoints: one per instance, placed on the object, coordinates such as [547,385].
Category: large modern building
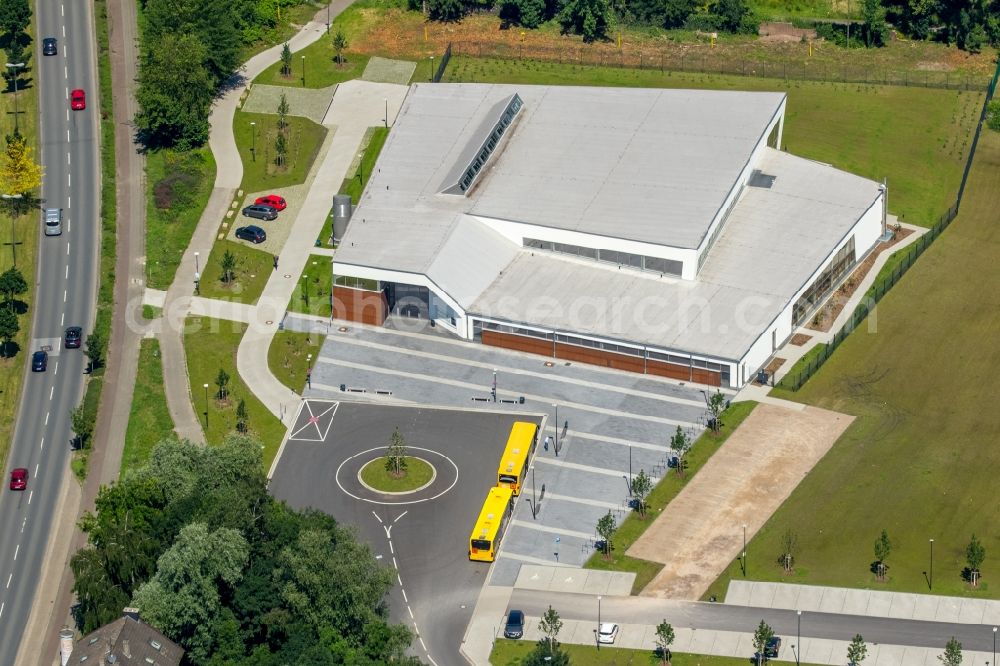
[657,231]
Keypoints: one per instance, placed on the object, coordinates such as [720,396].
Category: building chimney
[131,612]
[65,645]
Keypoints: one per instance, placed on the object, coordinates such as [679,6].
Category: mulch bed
[800,339]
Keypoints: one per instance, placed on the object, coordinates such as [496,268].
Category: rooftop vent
[759,179]
[481,145]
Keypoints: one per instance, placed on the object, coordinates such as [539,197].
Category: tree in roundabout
[397,472]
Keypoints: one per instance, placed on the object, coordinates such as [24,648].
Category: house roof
[126,641]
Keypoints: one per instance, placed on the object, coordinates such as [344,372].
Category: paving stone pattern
[311,103]
[383,70]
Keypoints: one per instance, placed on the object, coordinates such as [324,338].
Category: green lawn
[511,653]
[210,345]
[321,68]
[303,136]
[312,296]
[292,18]
[253,268]
[355,183]
[288,357]
[417,474]
[668,488]
[151,312]
[178,186]
[918,138]
[920,459]
[149,420]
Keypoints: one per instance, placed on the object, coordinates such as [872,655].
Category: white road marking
[17,549]
[64,37]
[69,225]
[422,644]
[62,12]
[67,136]
[41,445]
[62,320]
[400,516]
[67,272]
[431,659]
[69,156]
[56,370]
[407,606]
[67,249]
[400,580]
[64,295]
[376,517]
[69,180]
[67,115]
[31,494]
[405,600]
[51,392]
[69,202]
[10,576]
[1,609]
[394,565]
[66,75]
[47,417]
[391,549]
[36,470]
[23,523]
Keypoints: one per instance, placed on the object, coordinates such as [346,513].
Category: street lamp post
[534,501]
[798,636]
[206,406]
[494,391]
[13,243]
[930,578]
[303,71]
[197,269]
[253,141]
[197,283]
[597,634]
[15,66]
[556,443]
[628,485]
[431,77]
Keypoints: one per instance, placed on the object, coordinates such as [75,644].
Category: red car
[19,479]
[77,100]
[272,200]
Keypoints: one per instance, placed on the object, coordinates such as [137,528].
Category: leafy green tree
[975,553]
[857,650]
[641,487]
[445,10]
[174,93]
[17,51]
[952,655]
[212,23]
[283,109]
[664,639]
[222,381]
[99,599]
[242,416]
[15,17]
[8,329]
[876,30]
[606,529]
[228,265]
[592,19]
[286,60]
[395,455]
[82,424]
[527,13]
[12,283]
[339,45]
[681,443]
[761,636]
[280,149]
[883,546]
[716,405]
[550,624]
[93,347]
[735,16]
[546,653]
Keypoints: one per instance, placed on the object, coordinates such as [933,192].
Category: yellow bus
[514,463]
[492,523]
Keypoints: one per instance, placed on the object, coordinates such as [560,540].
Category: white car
[607,633]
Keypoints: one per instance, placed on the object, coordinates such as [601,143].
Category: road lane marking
[67,136]
[376,517]
[422,644]
[62,320]
[391,549]
[399,579]
[67,249]
[394,565]
[69,180]
[431,659]
[407,607]
[67,271]
[67,115]
[69,200]
[52,391]
[56,371]
[17,549]
[36,470]
[69,225]
[9,577]
[62,12]
[66,75]
[405,600]
[31,493]
[41,444]
[64,295]
[47,417]
[1,610]
[69,156]
[23,523]
[400,516]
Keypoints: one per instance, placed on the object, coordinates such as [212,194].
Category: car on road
[77,100]
[49,46]
[53,221]
[607,633]
[39,361]
[272,200]
[252,234]
[772,648]
[260,212]
[73,338]
[19,479]
[515,624]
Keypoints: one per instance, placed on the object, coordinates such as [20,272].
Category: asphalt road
[703,615]
[65,292]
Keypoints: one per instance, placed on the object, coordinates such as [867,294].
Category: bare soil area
[701,531]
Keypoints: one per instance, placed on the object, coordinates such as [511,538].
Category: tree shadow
[9,349]
[18,306]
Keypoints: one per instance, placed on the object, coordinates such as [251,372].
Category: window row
[642,262]
[821,286]
[513,106]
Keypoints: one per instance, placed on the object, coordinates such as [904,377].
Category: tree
[395,456]
[15,17]
[883,546]
[789,546]
[17,51]
[527,13]
[735,16]
[228,266]
[664,639]
[592,19]
[857,651]
[550,624]
[952,655]
[214,24]
[606,528]
[222,381]
[445,10]
[975,553]
[716,405]
[12,283]
[8,329]
[641,487]
[544,654]
[339,46]
[83,425]
[763,634]
[280,149]
[94,349]
[242,416]
[876,30]
[681,443]
[283,112]
[19,173]
[286,61]
[993,115]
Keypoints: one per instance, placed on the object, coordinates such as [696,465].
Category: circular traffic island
[417,475]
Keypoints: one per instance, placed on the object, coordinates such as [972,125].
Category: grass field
[355,183]
[920,459]
[210,345]
[149,420]
[288,357]
[177,189]
[318,275]
[322,69]
[511,653]
[253,268]
[304,140]
[418,473]
[668,488]
[918,138]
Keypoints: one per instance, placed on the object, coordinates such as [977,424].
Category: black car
[74,335]
[772,648]
[39,361]
[49,46]
[252,234]
[261,212]
[515,625]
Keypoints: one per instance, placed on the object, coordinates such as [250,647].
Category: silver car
[53,221]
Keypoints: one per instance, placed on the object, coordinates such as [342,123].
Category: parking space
[611,424]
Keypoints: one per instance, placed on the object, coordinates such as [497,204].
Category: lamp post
[387,113]
[15,66]
[930,578]
[494,390]
[303,71]
[629,465]
[798,636]
[431,77]
[197,283]
[534,504]
[597,634]
[628,485]
[994,645]
[206,406]
[555,444]
[743,558]
[13,243]
[253,141]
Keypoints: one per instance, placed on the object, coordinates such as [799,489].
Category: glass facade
[639,261]
[823,284]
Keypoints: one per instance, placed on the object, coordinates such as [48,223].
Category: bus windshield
[507,478]
[481,544]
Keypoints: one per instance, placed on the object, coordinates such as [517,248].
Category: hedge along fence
[898,264]
[602,55]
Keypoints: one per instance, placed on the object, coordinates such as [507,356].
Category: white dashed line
[391,549]
[422,644]
[69,156]
[10,577]
[407,610]
[431,659]
[67,136]
[376,517]
[67,115]
[400,580]
[69,180]
[69,202]
[56,370]
[405,600]
[400,516]
[23,523]
[64,295]
[394,565]
[67,271]
[52,392]
[36,470]
[17,549]
[62,320]
[47,417]
[66,74]
[31,494]
[1,610]
[62,12]
[67,249]
[41,445]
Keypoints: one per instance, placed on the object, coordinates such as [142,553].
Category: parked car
[260,212]
[515,624]
[74,336]
[252,234]
[272,200]
[77,100]
[607,633]
[772,648]
[39,361]
[49,46]
[19,479]
[53,221]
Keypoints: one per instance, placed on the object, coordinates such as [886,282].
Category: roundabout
[358,477]
[418,475]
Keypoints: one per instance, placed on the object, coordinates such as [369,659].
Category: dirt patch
[800,339]
[700,532]
[826,315]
